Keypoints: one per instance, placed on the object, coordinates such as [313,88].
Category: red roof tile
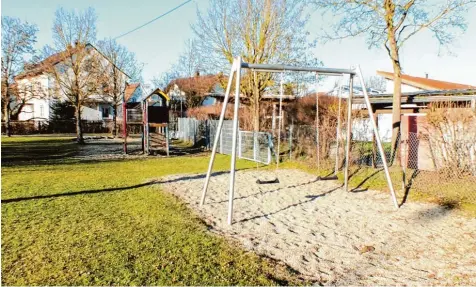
[39,68]
[130,89]
[198,84]
[425,83]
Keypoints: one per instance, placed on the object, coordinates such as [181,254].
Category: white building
[410,84]
[42,91]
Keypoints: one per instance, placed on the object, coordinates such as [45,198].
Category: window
[209,101]
[41,111]
[105,112]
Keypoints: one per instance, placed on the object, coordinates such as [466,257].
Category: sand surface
[337,237]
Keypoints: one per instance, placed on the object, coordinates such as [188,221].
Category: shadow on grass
[112,189]
[179,151]
[37,152]
[26,153]
[408,187]
[41,151]
[358,188]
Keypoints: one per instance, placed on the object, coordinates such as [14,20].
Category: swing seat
[331,177]
[259,181]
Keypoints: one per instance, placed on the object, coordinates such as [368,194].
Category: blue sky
[159,44]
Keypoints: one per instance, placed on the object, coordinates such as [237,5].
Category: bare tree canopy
[18,39]
[189,65]
[121,68]
[70,27]
[403,18]
[261,31]
[391,23]
[376,83]
[75,66]
[190,62]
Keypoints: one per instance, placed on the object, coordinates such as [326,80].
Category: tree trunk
[79,127]
[114,121]
[396,110]
[6,114]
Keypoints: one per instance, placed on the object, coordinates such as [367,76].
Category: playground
[107,213]
[116,216]
[334,236]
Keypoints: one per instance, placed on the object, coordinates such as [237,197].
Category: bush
[62,119]
[20,127]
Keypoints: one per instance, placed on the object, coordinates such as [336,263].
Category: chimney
[197,73]
[426,75]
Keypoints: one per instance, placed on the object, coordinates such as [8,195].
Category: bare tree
[190,66]
[376,83]
[165,78]
[23,92]
[121,64]
[18,39]
[262,31]
[76,66]
[190,62]
[391,23]
[187,65]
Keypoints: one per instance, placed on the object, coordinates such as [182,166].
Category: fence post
[255,145]
[374,146]
[273,121]
[291,141]
[189,130]
[179,130]
[404,143]
[207,135]
[167,144]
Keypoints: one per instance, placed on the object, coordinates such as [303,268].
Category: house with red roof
[415,84]
[36,79]
[418,94]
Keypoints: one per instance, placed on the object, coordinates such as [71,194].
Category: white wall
[35,109]
[90,114]
[38,107]
[405,88]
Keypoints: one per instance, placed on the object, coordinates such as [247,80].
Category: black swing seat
[259,181]
[331,177]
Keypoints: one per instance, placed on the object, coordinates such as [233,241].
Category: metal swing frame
[236,73]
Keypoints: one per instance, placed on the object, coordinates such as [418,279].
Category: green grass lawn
[67,222]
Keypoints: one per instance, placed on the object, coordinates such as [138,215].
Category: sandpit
[337,237]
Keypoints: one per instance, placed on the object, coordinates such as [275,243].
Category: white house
[410,84]
[416,84]
[43,85]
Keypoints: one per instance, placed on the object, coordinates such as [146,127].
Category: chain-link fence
[440,168]
[255,146]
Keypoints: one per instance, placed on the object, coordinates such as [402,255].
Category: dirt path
[338,237]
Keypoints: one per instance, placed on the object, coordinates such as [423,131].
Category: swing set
[236,68]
